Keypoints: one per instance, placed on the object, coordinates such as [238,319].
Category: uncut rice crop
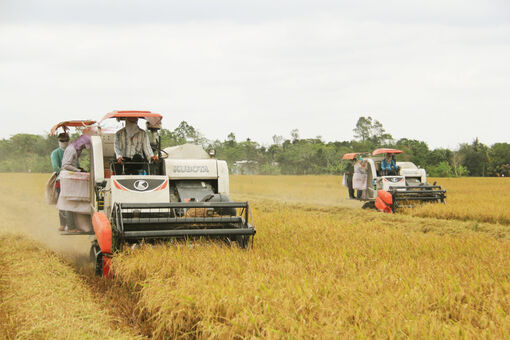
[325,274]
[322,190]
[478,199]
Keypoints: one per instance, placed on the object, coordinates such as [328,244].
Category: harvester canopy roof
[153,118]
[71,123]
[383,151]
[350,156]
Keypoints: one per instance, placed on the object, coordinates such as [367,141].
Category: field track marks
[402,222]
[24,210]
[45,298]
[120,302]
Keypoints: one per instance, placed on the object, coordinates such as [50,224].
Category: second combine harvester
[184,195]
[387,192]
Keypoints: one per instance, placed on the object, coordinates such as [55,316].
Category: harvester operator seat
[137,165]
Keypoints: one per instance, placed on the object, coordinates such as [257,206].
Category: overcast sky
[434,70]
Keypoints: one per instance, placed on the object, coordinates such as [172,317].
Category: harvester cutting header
[392,184]
[139,192]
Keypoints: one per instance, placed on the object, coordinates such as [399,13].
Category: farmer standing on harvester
[349,171]
[56,161]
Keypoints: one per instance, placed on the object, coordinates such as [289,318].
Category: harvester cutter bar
[184,205]
[413,193]
[189,232]
[178,220]
[137,221]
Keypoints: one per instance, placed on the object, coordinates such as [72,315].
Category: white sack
[74,186]
[359,181]
[81,207]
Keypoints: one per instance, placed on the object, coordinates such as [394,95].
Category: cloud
[133,12]
[433,79]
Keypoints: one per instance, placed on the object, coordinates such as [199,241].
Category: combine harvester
[183,195]
[388,192]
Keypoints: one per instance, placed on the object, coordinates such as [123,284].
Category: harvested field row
[43,297]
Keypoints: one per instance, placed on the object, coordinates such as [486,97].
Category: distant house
[245,167]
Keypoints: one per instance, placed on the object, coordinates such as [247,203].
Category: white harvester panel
[191,169]
[392,181]
[409,170]
[223,181]
[139,189]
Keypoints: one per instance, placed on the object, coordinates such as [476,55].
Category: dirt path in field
[339,203]
[24,210]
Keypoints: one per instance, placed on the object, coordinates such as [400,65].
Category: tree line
[291,155]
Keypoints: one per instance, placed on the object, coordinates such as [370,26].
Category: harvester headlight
[212,153]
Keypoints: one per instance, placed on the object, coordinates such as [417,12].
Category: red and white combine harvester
[183,195]
[387,192]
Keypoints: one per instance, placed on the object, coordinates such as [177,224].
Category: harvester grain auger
[183,195]
[387,192]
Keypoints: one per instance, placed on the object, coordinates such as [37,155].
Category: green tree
[443,169]
[371,131]
[295,135]
[475,157]
[231,139]
[499,159]
[183,133]
[414,150]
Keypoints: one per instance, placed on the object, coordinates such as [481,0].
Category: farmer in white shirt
[132,143]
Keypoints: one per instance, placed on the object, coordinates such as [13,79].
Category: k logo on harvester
[141,185]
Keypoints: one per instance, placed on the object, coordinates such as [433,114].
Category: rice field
[477,199]
[473,199]
[320,268]
[42,297]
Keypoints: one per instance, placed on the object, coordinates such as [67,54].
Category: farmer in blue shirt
[389,166]
[58,153]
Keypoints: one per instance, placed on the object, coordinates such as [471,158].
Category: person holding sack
[54,183]
[70,164]
[360,177]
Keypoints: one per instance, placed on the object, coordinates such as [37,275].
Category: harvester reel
[243,241]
